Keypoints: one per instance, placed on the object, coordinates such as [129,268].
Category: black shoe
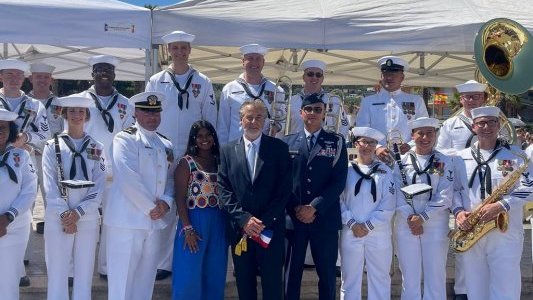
[162,274]
[102,276]
[24,281]
[306,266]
[26,262]
[460,297]
[39,227]
[71,281]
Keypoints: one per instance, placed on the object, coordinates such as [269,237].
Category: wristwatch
[9,217]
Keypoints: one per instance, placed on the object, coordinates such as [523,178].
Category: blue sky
[152,2]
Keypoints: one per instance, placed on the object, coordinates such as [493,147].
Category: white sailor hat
[178,36]
[314,63]
[368,132]
[424,122]
[14,64]
[6,115]
[103,59]
[150,101]
[392,63]
[517,123]
[41,68]
[253,48]
[485,111]
[471,86]
[74,101]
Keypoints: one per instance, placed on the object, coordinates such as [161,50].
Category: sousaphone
[503,51]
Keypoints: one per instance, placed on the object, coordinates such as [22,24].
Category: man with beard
[112,114]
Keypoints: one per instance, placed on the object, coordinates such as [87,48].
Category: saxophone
[462,240]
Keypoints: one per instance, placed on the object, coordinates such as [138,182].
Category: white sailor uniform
[387,111]
[143,162]
[18,183]
[372,205]
[492,265]
[423,258]
[82,159]
[330,122]
[110,116]
[233,96]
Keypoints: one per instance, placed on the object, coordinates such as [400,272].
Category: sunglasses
[314,74]
[315,109]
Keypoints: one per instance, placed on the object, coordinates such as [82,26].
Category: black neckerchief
[75,153]
[485,179]
[182,92]
[469,126]
[21,114]
[247,90]
[419,172]
[367,176]
[108,119]
[10,171]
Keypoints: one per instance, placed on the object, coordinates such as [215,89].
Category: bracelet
[187,230]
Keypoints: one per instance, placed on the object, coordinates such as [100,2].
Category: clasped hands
[415,223]
[305,213]
[69,219]
[160,210]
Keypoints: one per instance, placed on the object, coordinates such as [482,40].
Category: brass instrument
[504,57]
[462,240]
[280,109]
[334,116]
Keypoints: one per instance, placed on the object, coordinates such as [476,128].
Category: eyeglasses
[314,74]
[475,97]
[367,143]
[315,109]
[489,123]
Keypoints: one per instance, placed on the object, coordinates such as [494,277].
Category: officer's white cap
[368,132]
[314,63]
[14,64]
[103,59]
[42,68]
[148,100]
[424,122]
[393,63]
[6,115]
[516,122]
[485,111]
[178,36]
[74,101]
[253,48]
[471,86]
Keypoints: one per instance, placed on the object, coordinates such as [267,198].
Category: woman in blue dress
[200,248]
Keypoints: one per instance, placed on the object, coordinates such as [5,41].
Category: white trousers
[422,257]
[132,256]
[492,267]
[374,250]
[459,285]
[102,248]
[167,243]
[12,248]
[66,251]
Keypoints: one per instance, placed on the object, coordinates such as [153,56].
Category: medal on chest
[328,150]
[269,96]
[93,153]
[437,167]
[505,166]
[408,109]
[121,110]
[196,87]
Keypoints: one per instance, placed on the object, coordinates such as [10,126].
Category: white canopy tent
[65,33]
[435,36]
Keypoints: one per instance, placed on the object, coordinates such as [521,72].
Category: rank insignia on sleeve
[392,190]
[196,87]
[450,175]
[527,181]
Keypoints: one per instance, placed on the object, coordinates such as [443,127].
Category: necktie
[252,152]
[364,176]
[10,170]
[75,154]
[419,172]
[311,143]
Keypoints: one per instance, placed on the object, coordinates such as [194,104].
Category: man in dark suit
[254,181]
[319,166]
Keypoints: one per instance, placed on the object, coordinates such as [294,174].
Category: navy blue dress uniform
[319,177]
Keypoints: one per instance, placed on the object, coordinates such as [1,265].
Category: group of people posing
[166,183]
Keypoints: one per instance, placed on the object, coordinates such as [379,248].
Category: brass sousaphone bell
[503,51]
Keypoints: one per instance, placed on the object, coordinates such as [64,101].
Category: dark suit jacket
[265,197]
[318,178]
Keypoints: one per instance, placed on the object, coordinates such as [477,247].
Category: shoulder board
[131,130]
[163,136]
